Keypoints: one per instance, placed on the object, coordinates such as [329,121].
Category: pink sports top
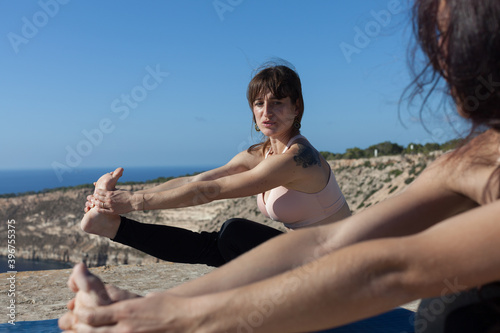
[299,209]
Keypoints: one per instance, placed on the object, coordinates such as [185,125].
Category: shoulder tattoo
[307,156]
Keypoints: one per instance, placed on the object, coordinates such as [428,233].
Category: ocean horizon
[28,265]
[37,180]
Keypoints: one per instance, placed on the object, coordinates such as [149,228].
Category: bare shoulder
[305,155]
[242,162]
[439,176]
[468,171]
[311,170]
[249,159]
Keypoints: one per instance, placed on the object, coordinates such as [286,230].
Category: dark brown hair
[461,42]
[282,82]
[462,46]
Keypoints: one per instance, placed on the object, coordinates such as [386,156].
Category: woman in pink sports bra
[293,183]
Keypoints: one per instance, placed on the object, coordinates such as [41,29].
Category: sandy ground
[44,294]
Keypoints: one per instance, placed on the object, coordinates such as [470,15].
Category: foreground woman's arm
[423,204]
[355,282]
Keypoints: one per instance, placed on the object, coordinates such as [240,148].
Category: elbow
[391,282]
[415,278]
[429,282]
[197,178]
[392,273]
[401,283]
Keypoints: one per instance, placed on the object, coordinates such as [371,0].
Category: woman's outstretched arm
[239,163]
[343,286]
[126,201]
[243,177]
[423,204]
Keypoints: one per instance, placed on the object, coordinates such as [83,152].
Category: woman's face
[274,116]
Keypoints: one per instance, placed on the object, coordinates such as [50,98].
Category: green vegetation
[395,172]
[388,148]
[383,165]
[417,169]
[409,180]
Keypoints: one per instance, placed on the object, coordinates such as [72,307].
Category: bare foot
[108,181]
[90,290]
[118,294]
[100,224]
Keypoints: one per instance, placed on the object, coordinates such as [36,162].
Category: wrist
[138,202]
[209,314]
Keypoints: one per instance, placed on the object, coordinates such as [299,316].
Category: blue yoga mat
[39,326]
[395,321]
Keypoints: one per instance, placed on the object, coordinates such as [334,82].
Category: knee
[228,228]
[229,238]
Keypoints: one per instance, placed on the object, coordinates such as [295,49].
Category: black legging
[236,237]
[476,310]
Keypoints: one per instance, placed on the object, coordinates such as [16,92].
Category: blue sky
[162,83]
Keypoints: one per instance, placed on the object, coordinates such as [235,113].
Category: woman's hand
[90,292]
[114,202]
[158,312]
[107,182]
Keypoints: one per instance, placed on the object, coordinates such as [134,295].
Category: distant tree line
[388,148]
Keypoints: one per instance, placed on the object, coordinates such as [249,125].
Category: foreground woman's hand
[90,291]
[90,310]
[158,312]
